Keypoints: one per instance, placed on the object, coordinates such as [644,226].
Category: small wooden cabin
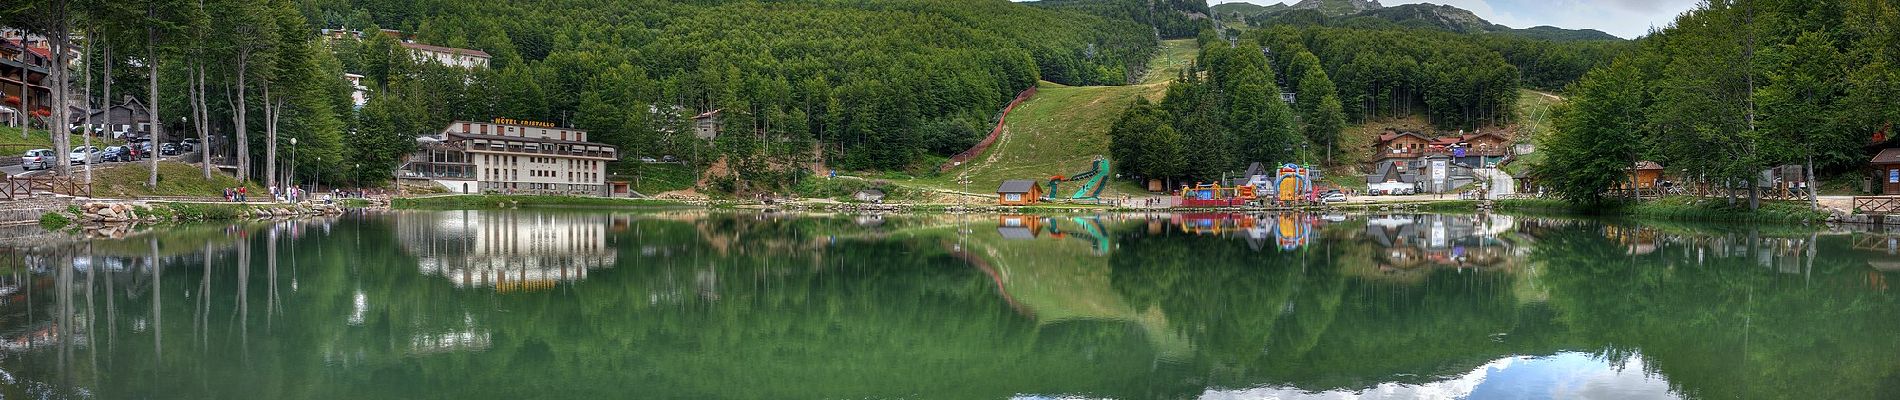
[1019,192]
[1886,167]
[1647,174]
[869,195]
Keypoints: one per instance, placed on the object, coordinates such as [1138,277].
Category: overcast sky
[1626,18]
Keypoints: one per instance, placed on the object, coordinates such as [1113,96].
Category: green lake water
[707,305]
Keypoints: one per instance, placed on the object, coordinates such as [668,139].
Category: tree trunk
[105,95]
[270,138]
[26,124]
[1754,193]
[57,88]
[1814,199]
[87,133]
[238,111]
[62,33]
[201,115]
[151,66]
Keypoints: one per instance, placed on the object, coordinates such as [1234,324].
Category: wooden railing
[23,187]
[995,132]
[1877,205]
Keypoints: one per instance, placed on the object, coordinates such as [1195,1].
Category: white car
[1333,197]
[84,155]
[37,159]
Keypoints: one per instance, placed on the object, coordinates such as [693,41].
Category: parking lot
[16,169]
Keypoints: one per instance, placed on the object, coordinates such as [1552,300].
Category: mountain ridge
[1371,13]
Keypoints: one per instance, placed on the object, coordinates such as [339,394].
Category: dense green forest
[1386,73]
[1548,58]
[1226,112]
[1171,19]
[857,84]
[1731,89]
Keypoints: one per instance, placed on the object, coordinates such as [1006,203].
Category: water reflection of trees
[743,306]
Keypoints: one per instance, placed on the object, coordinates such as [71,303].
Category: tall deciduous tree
[246,32]
[1597,136]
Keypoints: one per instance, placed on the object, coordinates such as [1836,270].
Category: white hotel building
[508,156]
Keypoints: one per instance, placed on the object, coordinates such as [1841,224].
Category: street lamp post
[291,173]
[317,180]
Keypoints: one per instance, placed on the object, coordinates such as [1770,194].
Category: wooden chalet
[1395,145]
[1018,192]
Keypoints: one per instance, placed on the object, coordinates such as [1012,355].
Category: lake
[712,305]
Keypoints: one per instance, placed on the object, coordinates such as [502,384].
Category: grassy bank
[1062,129]
[652,179]
[164,211]
[1677,209]
[477,202]
[127,180]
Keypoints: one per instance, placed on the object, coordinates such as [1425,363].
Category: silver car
[37,159]
[84,155]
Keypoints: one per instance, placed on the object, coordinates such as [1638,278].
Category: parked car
[190,145]
[38,159]
[84,155]
[1333,197]
[117,154]
[168,149]
[142,149]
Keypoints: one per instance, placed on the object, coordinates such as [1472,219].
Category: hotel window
[465,127]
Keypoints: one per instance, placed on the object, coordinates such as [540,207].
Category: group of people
[240,194]
[235,194]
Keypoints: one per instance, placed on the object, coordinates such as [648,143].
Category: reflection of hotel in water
[1412,241]
[509,251]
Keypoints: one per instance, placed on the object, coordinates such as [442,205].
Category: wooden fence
[24,187]
[995,132]
[1877,205]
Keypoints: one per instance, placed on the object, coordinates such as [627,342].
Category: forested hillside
[1544,63]
[875,85]
[878,85]
[1391,73]
[1172,19]
[1730,89]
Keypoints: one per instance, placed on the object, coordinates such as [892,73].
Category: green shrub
[54,221]
[207,212]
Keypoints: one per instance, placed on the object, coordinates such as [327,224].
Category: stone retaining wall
[29,211]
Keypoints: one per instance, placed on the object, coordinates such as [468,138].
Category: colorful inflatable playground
[1291,184]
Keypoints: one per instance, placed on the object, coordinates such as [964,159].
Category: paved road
[1502,185]
[16,170]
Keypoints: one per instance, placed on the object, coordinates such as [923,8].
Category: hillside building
[509,156]
[359,94]
[125,120]
[450,56]
[24,68]
[706,126]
